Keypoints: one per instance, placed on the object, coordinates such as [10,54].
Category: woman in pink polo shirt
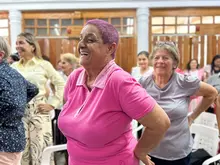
[101,101]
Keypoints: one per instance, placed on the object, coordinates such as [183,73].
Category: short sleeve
[66,88]
[189,84]
[134,100]
[214,80]
[71,82]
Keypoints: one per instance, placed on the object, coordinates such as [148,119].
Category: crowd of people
[95,102]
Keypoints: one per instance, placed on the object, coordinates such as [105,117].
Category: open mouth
[83,53]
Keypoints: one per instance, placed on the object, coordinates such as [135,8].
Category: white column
[142,29]
[15,27]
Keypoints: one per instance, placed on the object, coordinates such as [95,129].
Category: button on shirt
[97,123]
[15,92]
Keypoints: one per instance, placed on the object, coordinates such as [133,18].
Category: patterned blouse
[15,93]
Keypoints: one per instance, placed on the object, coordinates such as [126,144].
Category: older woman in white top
[69,62]
[172,92]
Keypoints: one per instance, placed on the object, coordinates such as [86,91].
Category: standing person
[172,92]
[193,70]
[69,62]
[215,65]
[101,100]
[37,119]
[15,93]
[143,68]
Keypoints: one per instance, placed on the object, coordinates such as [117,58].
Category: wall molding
[100,4]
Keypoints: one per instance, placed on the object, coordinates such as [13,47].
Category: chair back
[205,137]
[47,153]
[208,119]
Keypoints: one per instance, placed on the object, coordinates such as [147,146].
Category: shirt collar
[3,63]
[34,60]
[100,79]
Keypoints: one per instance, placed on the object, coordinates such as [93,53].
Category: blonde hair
[70,58]
[32,41]
[168,46]
[4,46]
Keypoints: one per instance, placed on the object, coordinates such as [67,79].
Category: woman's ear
[174,65]
[111,48]
[2,55]
[33,49]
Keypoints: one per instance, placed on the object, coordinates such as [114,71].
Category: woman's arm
[218,111]
[156,123]
[209,94]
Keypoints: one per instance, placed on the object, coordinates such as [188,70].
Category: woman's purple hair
[108,32]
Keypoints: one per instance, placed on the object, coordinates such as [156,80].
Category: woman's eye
[89,40]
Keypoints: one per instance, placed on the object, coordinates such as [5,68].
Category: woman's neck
[68,72]
[27,58]
[143,70]
[161,81]
[192,70]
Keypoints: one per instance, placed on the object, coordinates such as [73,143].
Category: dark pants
[60,157]
[183,161]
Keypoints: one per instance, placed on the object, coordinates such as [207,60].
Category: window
[58,26]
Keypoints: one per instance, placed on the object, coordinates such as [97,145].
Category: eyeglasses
[170,43]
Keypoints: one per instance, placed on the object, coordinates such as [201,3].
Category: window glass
[182,29]
[30,30]
[207,19]
[182,20]
[54,31]
[128,21]
[4,32]
[217,19]
[157,20]
[78,22]
[169,29]
[54,22]
[66,22]
[3,22]
[42,31]
[169,20]
[116,21]
[157,29]
[29,22]
[194,20]
[42,22]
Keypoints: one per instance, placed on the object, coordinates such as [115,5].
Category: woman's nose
[160,60]
[81,44]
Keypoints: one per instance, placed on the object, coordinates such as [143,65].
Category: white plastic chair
[207,138]
[46,155]
[208,119]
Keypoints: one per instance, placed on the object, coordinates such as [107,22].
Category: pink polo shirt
[97,123]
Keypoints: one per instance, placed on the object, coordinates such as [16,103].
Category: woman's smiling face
[91,48]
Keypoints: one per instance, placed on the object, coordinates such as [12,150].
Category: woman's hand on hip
[146,159]
[45,108]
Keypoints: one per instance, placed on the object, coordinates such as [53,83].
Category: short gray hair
[4,47]
[168,46]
